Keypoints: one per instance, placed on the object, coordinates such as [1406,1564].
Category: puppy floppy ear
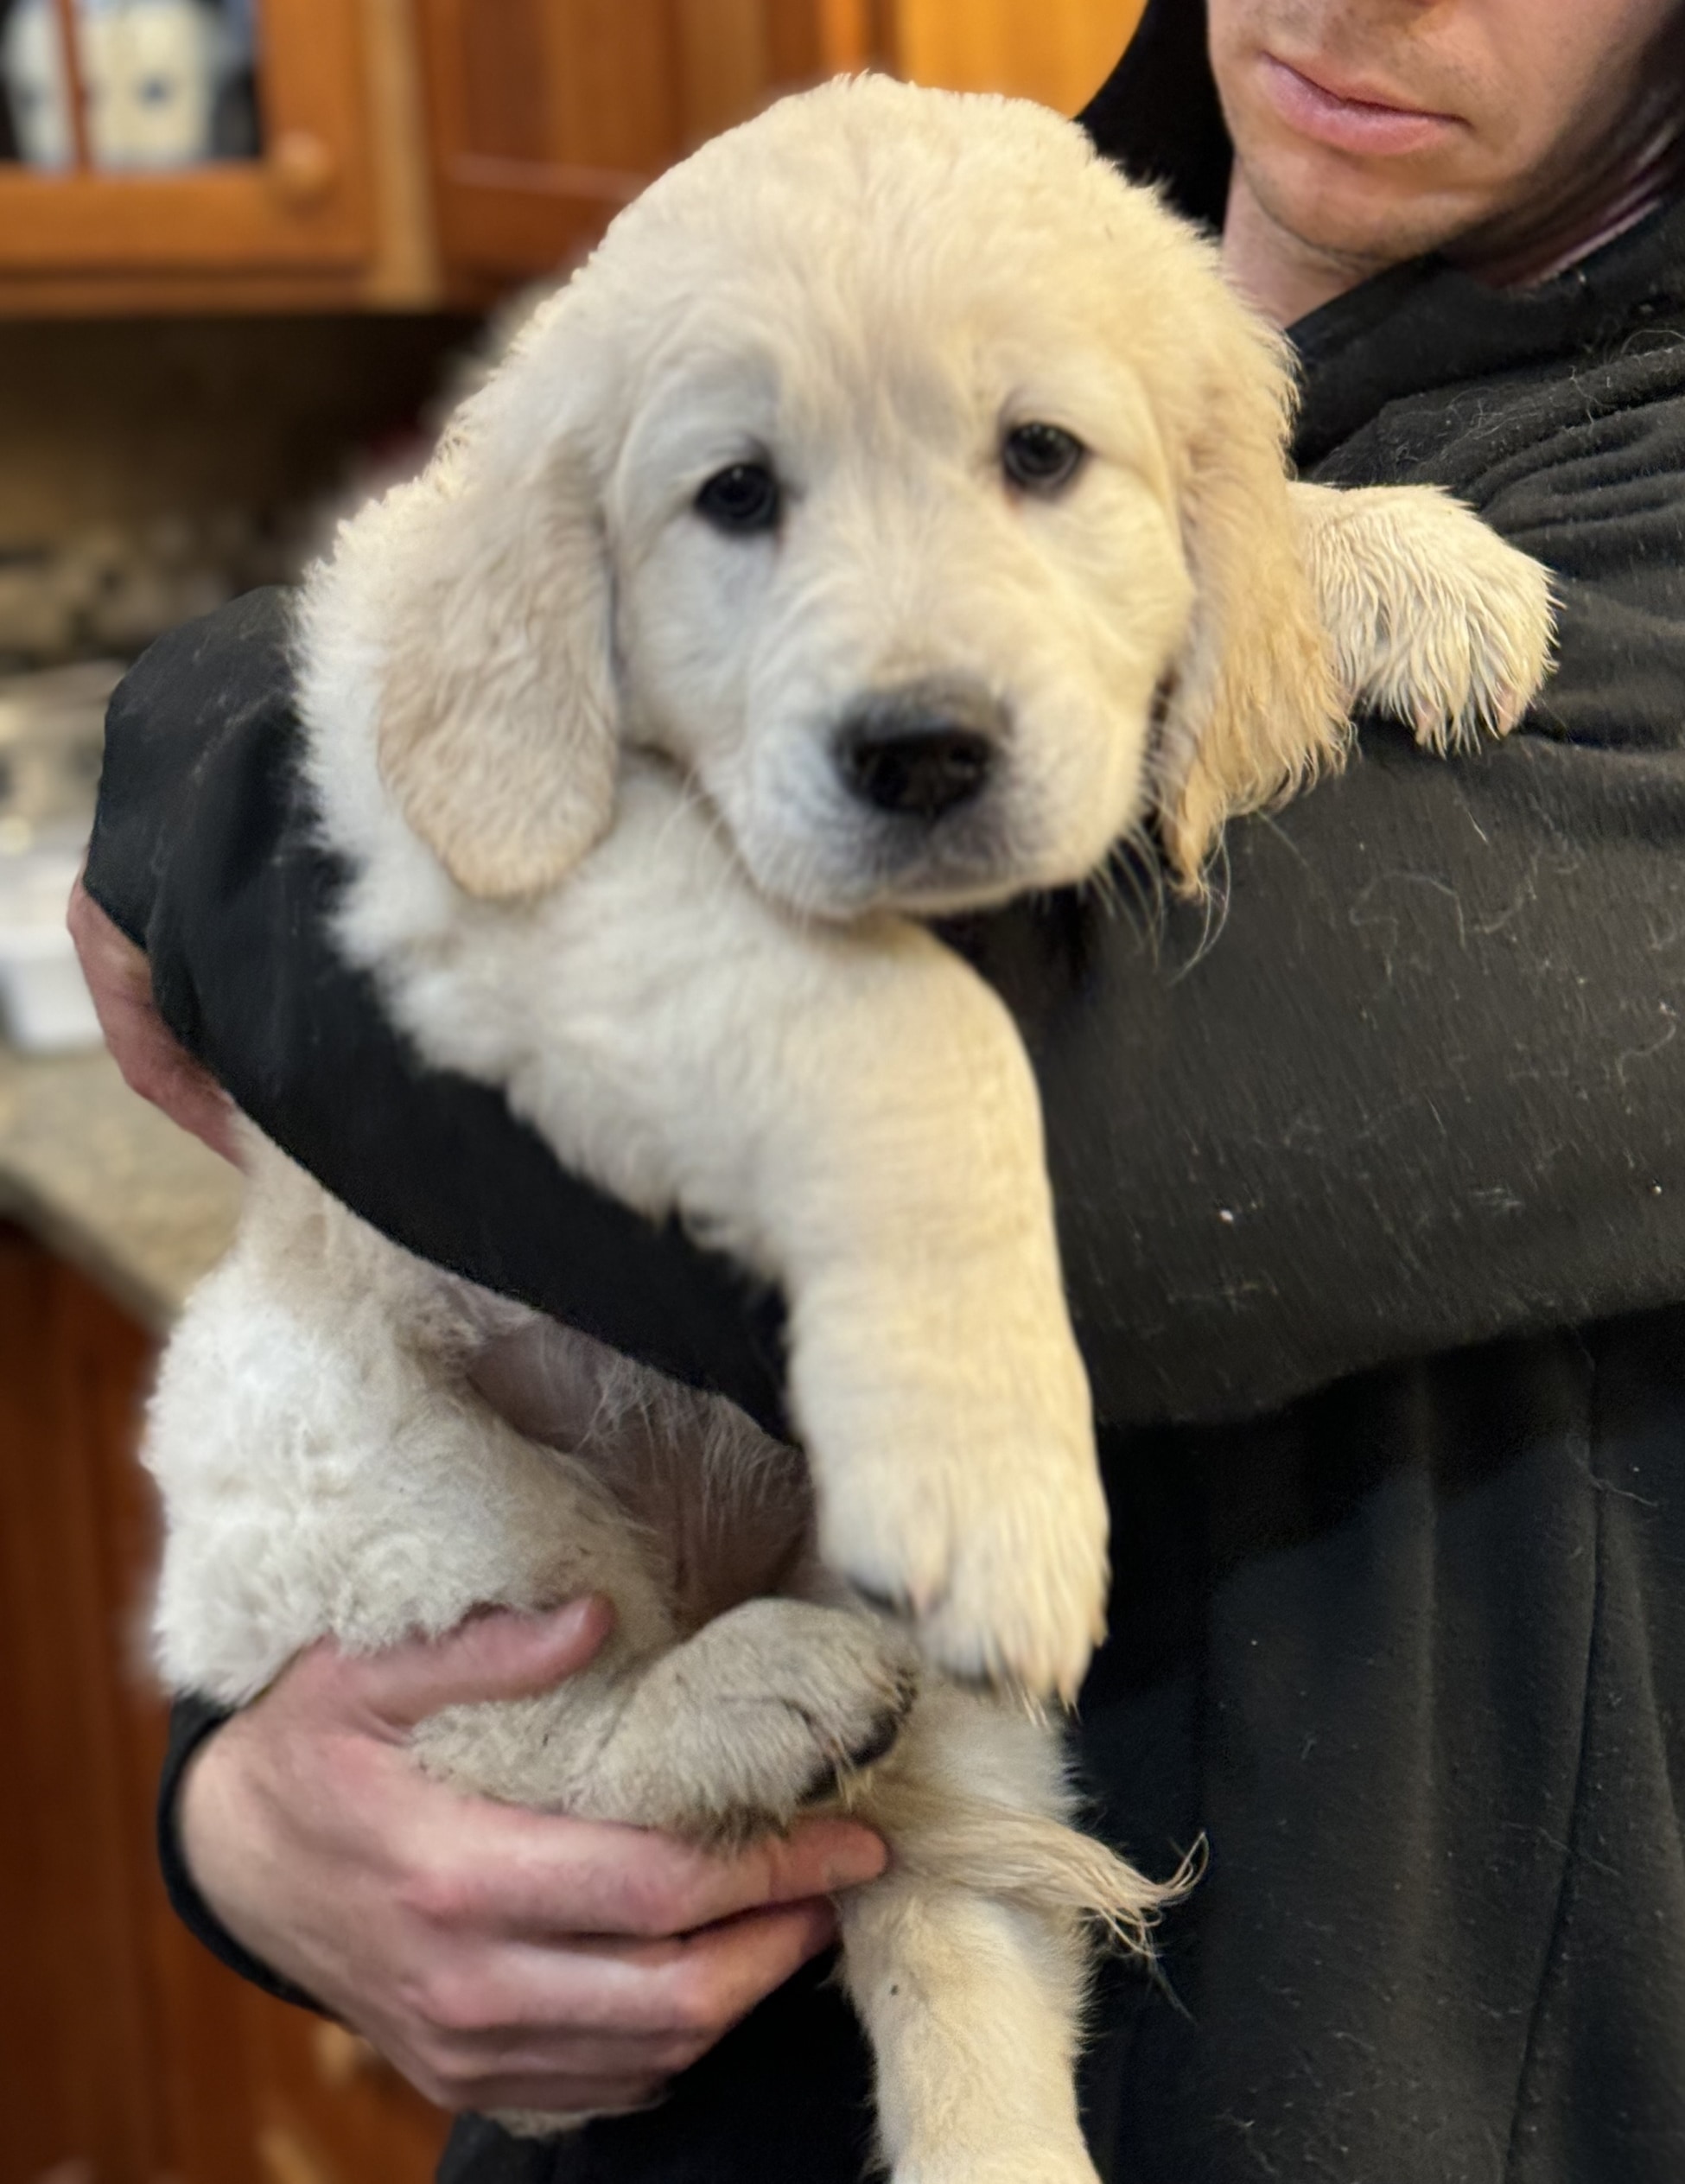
[497,726]
[1251,709]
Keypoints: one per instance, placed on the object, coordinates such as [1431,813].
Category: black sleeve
[191,1721]
[204,853]
[1421,1088]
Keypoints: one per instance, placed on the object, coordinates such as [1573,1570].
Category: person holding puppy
[1370,1218]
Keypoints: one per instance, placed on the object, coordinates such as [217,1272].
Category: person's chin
[1347,209]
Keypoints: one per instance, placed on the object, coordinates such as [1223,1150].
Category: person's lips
[1339,116]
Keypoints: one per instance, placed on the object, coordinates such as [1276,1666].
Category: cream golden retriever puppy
[889,518]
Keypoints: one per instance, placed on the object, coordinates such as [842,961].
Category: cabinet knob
[341,2056]
[285,2159]
[302,169]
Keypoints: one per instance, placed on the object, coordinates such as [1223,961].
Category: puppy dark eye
[1041,458]
[745,497]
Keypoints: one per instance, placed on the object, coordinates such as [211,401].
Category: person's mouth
[1351,117]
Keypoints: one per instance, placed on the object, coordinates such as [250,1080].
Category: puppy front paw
[958,1485]
[1477,637]
[1432,617]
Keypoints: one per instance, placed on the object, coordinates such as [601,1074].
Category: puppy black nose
[924,750]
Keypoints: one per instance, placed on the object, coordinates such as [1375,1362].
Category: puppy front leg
[932,1369]
[1433,617]
[849,1110]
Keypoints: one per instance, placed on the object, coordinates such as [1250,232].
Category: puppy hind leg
[725,1737]
[968,1960]
[972,2007]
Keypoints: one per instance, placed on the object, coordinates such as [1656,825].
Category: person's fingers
[534,2051]
[495,1868]
[119,982]
[107,955]
[498,1655]
[676,1888]
[164,1074]
[686,1991]
[613,2007]
[471,1864]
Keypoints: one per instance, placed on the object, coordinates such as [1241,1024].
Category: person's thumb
[498,1654]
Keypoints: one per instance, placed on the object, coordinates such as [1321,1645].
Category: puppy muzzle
[923,750]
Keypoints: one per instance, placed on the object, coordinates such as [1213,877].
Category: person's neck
[1286,278]
[1278,272]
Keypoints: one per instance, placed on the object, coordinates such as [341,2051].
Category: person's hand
[500,1959]
[151,1062]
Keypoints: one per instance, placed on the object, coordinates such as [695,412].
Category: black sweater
[1373,1213]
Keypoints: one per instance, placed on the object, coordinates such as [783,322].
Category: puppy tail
[1001,1850]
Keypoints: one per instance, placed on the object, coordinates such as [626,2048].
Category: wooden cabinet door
[1058,51]
[546,115]
[77,2003]
[302,202]
[127,2054]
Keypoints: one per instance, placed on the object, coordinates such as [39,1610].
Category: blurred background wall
[246,250]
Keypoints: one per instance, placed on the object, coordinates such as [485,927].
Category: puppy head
[903,477]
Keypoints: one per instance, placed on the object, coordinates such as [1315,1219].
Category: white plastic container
[51,729]
[43,1000]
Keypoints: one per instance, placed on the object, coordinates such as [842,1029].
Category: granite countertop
[103,1179]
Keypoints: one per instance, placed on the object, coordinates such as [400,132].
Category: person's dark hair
[1664,72]
[1640,166]
[1157,113]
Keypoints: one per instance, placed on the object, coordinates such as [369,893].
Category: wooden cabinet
[1058,51]
[123,2047]
[301,201]
[409,154]
[310,217]
[545,116]
[419,154]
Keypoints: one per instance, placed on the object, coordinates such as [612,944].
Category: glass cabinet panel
[127,85]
